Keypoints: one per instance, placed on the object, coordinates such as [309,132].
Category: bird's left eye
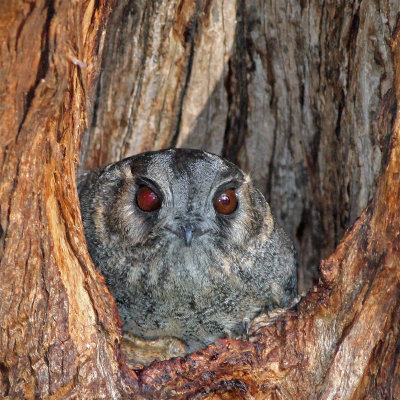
[147,200]
[226,202]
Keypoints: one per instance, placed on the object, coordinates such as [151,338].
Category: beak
[188,232]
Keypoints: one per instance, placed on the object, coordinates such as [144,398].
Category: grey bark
[291,91]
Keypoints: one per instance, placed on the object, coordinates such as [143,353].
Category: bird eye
[147,200]
[226,202]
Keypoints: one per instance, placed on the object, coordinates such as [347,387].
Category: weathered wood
[292,91]
[58,333]
[341,343]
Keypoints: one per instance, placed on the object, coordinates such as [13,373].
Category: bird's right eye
[147,200]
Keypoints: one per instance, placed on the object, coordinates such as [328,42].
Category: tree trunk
[300,94]
[59,332]
[290,91]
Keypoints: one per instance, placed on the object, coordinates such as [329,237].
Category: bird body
[187,245]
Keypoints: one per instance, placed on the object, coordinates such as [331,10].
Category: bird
[187,244]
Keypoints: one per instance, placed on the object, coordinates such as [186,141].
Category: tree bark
[290,91]
[300,94]
[59,332]
[342,342]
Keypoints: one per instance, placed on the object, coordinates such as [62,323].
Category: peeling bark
[301,94]
[59,335]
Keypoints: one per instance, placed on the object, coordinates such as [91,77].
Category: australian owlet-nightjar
[187,245]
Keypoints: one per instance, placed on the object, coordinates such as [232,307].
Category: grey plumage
[184,269]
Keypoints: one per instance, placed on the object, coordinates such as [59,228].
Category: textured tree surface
[58,334]
[289,90]
[300,94]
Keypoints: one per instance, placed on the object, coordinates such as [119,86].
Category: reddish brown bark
[60,334]
[58,330]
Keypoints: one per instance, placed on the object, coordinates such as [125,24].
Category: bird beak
[188,233]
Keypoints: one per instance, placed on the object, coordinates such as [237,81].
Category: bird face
[182,202]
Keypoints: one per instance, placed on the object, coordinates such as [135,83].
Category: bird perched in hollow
[187,245]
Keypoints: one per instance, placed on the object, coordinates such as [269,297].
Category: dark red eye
[226,202]
[147,200]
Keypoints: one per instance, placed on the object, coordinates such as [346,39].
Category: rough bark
[342,342]
[59,332]
[291,91]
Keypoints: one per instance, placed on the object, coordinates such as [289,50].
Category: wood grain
[302,94]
